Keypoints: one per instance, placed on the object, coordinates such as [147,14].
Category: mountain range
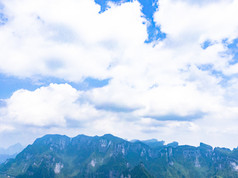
[107,156]
[10,152]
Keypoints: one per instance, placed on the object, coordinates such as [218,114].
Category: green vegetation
[108,156]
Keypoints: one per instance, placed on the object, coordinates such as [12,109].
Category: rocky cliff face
[109,156]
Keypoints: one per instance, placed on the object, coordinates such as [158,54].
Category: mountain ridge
[56,155]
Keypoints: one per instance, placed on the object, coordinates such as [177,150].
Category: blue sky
[141,69]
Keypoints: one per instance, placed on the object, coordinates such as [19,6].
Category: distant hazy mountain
[12,149]
[108,156]
[153,143]
[10,152]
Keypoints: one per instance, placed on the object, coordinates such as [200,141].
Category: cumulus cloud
[48,106]
[176,77]
[68,39]
[188,22]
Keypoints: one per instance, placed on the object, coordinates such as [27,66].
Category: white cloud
[51,109]
[70,40]
[4,128]
[47,106]
[188,22]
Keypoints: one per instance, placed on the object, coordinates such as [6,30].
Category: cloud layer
[174,89]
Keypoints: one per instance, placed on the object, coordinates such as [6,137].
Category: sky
[142,69]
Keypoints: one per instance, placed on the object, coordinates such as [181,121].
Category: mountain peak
[205,146]
[111,137]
